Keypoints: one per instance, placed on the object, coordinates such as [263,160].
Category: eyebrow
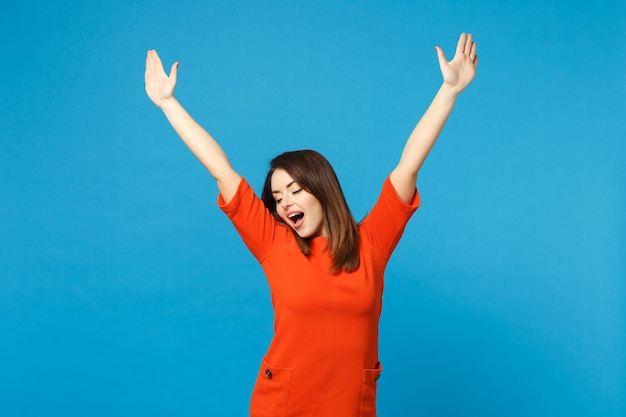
[288,185]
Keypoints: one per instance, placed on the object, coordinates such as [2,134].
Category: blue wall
[124,290]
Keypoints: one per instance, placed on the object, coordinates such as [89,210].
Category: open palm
[459,72]
[159,86]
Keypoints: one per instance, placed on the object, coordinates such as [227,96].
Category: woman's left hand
[159,86]
[459,72]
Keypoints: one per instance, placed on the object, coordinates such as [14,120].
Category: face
[297,207]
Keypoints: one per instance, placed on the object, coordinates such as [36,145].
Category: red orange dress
[323,359]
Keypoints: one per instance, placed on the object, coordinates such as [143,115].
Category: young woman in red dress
[325,270]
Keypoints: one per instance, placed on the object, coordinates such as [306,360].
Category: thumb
[174,72]
[441,56]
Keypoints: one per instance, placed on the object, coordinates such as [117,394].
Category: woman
[325,271]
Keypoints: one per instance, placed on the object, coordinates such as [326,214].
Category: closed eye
[297,191]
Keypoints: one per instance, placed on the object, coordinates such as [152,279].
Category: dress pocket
[271,391]
[368,391]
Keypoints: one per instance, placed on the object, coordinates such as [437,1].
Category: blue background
[125,291]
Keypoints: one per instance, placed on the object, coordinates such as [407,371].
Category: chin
[305,235]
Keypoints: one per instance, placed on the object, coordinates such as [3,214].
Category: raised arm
[457,74]
[160,88]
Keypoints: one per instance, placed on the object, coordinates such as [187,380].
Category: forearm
[421,141]
[203,146]
[427,130]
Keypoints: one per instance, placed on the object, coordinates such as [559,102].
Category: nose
[286,202]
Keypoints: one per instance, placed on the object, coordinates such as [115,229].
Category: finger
[157,61]
[147,63]
[468,44]
[473,51]
[174,72]
[150,64]
[440,55]
[460,46]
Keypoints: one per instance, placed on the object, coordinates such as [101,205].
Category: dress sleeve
[254,223]
[385,224]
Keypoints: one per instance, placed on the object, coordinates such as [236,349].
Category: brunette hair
[314,173]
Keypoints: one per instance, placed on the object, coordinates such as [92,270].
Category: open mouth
[297,219]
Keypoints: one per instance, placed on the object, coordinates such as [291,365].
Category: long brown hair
[314,173]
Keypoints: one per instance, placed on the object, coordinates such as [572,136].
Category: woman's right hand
[159,86]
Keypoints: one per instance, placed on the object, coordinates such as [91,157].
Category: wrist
[167,103]
[448,92]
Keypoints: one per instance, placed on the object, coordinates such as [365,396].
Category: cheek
[321,214]
[281,213]
[312,203]
[317,211]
